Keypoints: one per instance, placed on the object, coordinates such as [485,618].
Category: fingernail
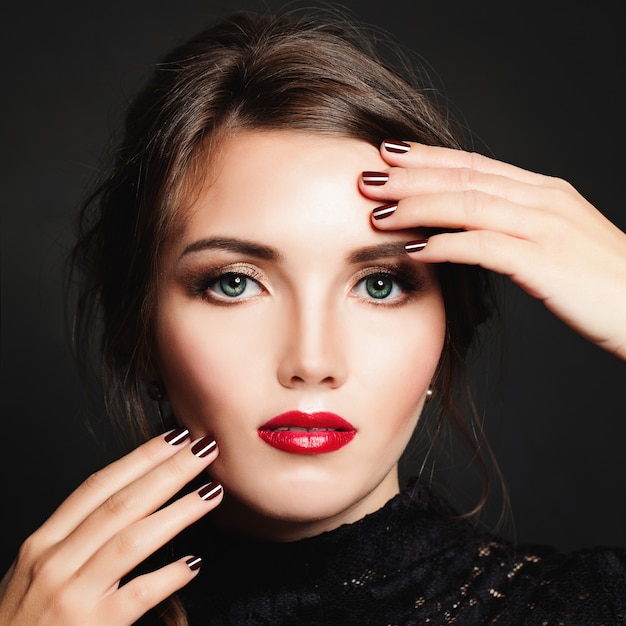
[194,563]
[177,436]
[384,211]
[416,246]
[399,147]
[374,178]
[210,491]
[203,447]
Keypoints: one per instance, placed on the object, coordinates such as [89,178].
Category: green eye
[379,286]
[382,287]
[223,287]
[232,285]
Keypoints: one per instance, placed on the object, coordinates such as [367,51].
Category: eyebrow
[240,246]
[267,253]
[379,251]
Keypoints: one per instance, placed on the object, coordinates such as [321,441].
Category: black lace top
[408,563]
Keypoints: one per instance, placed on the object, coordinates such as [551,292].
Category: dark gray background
[538,87]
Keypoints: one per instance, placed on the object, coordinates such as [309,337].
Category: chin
[309,505]
[295,507]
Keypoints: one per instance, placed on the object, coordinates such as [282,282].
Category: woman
[296,285]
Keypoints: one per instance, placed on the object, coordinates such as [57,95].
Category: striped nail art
[398,147]
[384,211]
[210,491]
[194,563]
[203,447]
[177,436]
[415,246]
[374,178]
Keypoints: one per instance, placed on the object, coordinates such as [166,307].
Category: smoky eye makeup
[390,284]
[224,284]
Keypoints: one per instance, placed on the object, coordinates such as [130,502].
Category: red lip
[331,432]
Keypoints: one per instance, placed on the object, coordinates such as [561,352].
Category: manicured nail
[177,436]
[203,447]
[384,211]
[399,147]
[374,178]
[210,491]
[194,563]
[416,246]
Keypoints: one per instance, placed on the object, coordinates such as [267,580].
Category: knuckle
[563,195]
[476,161]
[485,241]
[31,549]
[561,185]
[523,224]
[65,602]
[555,229]
[472,203]
[44,572]
[139,593]
[98,481]
[178,468]
[466,178]
[128,542]
[153,451]
[404,177]
[119,503]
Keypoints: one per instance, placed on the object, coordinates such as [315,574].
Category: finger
[468,211]
[563,277]
[412,154]
[43,543]
[516,258]
[104,483]
[127,604]
[137,542]
[133,502]
[402,183]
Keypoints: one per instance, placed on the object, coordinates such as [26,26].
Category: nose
[314,350]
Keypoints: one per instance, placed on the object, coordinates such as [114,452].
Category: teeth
[296,429]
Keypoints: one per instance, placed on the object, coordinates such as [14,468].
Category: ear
[151,378]
[156,390]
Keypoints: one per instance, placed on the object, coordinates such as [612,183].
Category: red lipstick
[307,433]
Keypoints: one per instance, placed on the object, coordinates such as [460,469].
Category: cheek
[410,370]
[203,362]
[226,363]
[394,362]
[403,353]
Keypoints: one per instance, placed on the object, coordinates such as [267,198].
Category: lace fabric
[408,563]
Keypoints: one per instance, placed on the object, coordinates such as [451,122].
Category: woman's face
[297,335]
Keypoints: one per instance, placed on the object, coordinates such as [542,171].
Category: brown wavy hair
[313,71]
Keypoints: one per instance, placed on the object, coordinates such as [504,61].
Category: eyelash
[403,276]
[200,285]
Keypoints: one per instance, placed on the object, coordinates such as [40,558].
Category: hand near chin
[68,572]
[536,229]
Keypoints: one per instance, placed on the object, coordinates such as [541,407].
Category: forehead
[277,184]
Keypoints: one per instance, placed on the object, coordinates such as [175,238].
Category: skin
[536,229]
[305,336]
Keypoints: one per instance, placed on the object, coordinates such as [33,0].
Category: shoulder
[470,576]
[537,584]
